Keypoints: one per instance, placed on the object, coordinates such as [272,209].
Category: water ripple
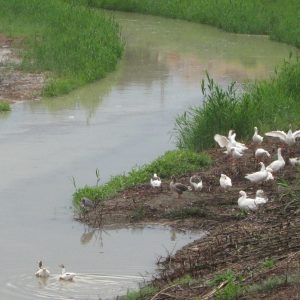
[84,286]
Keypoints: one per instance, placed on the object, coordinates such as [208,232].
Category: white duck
[229,142]
[42,272]
[155,181]
[196,183]
[278,164]
[260,197]
[225,182]
[67,276]
[246,203]
[256,138]
[295,161]
[289,138]
[260,176]
[260,152]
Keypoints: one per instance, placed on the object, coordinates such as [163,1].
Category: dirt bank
[16,85]
[236,241]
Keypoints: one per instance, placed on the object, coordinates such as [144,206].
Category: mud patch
[16,85]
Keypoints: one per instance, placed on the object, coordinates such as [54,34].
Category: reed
[270,104]
[72,44]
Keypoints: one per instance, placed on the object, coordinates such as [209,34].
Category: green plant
[141,294]
[73,44]
[268,263]
[4,106]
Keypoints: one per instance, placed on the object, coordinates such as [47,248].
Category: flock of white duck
[235,150]
[43,272]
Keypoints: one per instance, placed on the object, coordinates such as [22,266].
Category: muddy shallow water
[121,121]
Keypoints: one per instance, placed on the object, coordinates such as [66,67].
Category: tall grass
[279,19]
[270,104]
[73,44]
[175,162]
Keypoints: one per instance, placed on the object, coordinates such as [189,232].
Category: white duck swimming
[260,152]
[260,197]
[278,164]
[256,138]
[295,161]
[225,182]
[289,138]
[155,181]
[42,272]
[260,176]
[246,203]
[196,183]
[67,276]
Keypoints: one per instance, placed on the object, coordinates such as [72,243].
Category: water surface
[113,125]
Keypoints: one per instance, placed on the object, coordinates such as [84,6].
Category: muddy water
[112,125]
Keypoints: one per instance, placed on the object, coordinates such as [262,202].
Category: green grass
[175,162]
[279,19]
[270,105]
[268,263]
[72,44]
[141,294]
[4,106]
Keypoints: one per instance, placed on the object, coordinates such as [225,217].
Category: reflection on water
[127,257]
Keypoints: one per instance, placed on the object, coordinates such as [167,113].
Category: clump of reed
[270,104]
[73,44]
[176,162]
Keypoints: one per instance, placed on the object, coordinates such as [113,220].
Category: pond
[113,125]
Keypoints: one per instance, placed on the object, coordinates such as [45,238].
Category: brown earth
[16,85]
[235,241]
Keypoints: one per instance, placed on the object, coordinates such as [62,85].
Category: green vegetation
[4,106]
[268,263]
[232,288]
[141,294]
[269,105]
[176,162]
[279,19]
[74,45]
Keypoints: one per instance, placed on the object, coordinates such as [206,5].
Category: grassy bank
[279,19]
[171,163]
[72,44]
[270,104]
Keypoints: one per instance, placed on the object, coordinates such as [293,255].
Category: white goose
[295,161]
[155,181]
[67,276]
[289,138]
[196,183]
[225,182]
[246,203]
[260,152]
[260,176]
[278,164]
[260,197]
[42,272]
[256,138]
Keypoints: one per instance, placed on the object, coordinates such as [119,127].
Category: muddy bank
[236,241]
[16,85]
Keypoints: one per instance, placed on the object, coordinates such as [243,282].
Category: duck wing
[277,133]
[222,140]
[296,134]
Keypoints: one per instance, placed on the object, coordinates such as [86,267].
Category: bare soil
[236,241]
[16,85]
